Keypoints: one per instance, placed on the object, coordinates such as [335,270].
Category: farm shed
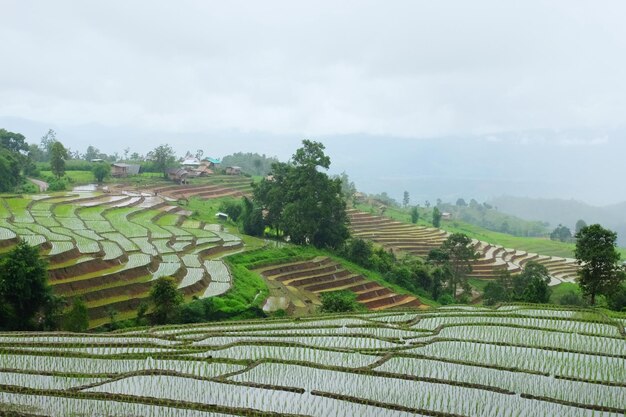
[446,216]
[178,175]
[124,170]
[234,170]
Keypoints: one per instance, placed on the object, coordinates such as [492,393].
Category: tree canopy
[596,253]
[303,203]
[165,299]
[163,158]
[456,255]
[24,290]
[58,155]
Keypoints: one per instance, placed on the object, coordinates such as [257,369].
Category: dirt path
[43,186]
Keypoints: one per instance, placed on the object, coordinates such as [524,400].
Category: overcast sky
[291,69]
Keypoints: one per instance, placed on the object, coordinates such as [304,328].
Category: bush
[58,184]
[446,299]
[232,208]
[572,298]
[339,302]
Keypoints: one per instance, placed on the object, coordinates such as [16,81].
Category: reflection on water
[86,187]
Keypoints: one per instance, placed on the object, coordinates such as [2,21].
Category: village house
[234,170]
[178,175]
[124,170]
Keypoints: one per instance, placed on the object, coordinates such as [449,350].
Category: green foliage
[231,207]
[530,286]
[339,302]
[77,318]
[101,171]
[580,225]
[13,142]
[436,217]
[165,299]
[252,218]
[561,233]
[459,251]
[302,202]
[24,290]
[415,215]
[250,163]
[572,298]
[485,216]
[58,155]
[162,157]
[600,272]
[405,199]
[617,299]
[58,184]
[9,170]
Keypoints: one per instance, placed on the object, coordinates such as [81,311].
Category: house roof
[235,167]
[213,160]
[191,161]
[123,165]
[177,171]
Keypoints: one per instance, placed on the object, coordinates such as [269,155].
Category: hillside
[529,361]
[109,248]
[566,212]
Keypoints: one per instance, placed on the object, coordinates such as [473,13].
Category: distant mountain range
[566,212]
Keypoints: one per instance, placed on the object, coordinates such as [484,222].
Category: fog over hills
[580,164]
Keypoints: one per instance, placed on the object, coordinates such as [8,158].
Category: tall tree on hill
[166,300]
[58,155]
[596,253]
[405,199]
[436,217]
[163,158]
[580,225]
[24,289]
[459,250]
[415,215]
[302,202]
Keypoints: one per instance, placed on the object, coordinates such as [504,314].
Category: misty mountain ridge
[567,212]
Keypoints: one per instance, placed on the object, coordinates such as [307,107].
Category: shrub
[339,302]
[572,298]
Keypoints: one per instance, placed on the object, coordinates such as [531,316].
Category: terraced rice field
[322,274]
[215,186]
[108,248]
[513,361]
[419,241]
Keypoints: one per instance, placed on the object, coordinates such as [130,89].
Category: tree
[9,171]
[405,199]
[461,202]
[436,217]
[58,155]
[303,203]
[46,143]
[77,318]
[165,299]
[252,218]
[460,251]
[13,142]
[101,170]
[92,153]
[596,253]
[531,285]
[163,158]
[580,225]
[415,215]
[561,233]
[339,302]
[24,289]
